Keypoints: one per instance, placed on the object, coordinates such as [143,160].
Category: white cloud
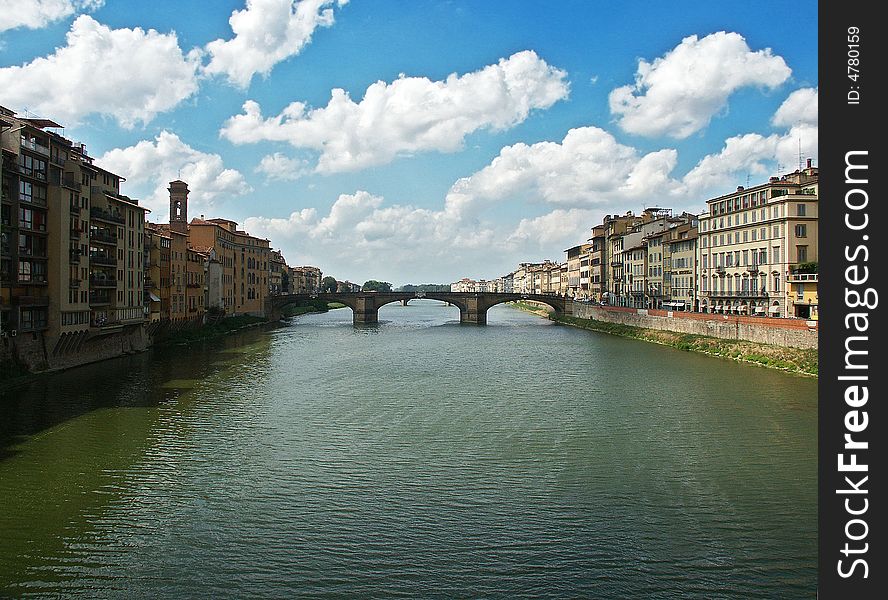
[266,32]
[128,74]
[411,114]
[278,166]
[745,154]
[799,108]
[679,93]
[360,236]
[557,229]
[589,167]
[149,166]
[34,14]
[752,155]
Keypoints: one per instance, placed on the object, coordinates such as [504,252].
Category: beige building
[278,273]
[217,235]
[71,242]
[578,271]
[597,264]
[305,280]
[681,278]
[758,249]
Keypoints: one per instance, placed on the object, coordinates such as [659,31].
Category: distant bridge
[365,306]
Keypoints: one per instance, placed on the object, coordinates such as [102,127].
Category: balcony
[107,216]
[752,269]
[34,146]
[32,200]
[24,251]
[74,256]
[102,259]
[103,237]
[57,160]
[719,270]
[36,174]
[802,278]
[97,281]
[99,299]
[74,284]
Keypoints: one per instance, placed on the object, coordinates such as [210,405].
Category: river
[414,458]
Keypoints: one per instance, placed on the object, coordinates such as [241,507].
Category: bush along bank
[212,329]
[795,360]
[223,326]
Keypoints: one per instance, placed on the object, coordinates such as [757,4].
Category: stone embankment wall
[35,352]
[795,333]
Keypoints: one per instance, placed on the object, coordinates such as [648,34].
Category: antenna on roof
[800,153]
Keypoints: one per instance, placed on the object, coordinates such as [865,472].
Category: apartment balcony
[100,259]
[30,226]
[57,160]
[102,282]
[103,237]
[105,215]
[752,269]
[35,147]
[32,200]
[75,233]
[32,279]
[38,175]
[24,252]
[27,301]
[720,270]
[74,256]
[99,299]
[802,278]
[74,284]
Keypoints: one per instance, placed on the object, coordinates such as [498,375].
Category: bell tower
[179,206]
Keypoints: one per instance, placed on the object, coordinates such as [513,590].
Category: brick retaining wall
[796,333]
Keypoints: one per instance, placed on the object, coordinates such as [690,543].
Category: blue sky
[421,141]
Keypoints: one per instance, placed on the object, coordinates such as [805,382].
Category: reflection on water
[413,457]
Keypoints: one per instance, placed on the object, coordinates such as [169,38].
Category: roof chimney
[809,163]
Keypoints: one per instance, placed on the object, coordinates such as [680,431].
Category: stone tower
[179,206]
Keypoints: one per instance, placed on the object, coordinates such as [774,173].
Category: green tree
[328,284]
[376,286]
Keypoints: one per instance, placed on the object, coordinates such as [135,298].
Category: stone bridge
[365,306]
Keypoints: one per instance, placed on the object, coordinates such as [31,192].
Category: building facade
[758,249]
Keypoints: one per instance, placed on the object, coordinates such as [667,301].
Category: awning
[153,297]
[775,309]
[759,309]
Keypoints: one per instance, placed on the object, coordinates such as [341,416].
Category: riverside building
[72,246]
[758,249]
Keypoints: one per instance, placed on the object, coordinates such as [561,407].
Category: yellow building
[758,249]
[682,273]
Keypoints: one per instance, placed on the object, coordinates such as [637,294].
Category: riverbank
[13,373]
[802,361]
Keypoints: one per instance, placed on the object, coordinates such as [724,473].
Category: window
[801,254]
[775,254]
[801,230]
[800,210]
